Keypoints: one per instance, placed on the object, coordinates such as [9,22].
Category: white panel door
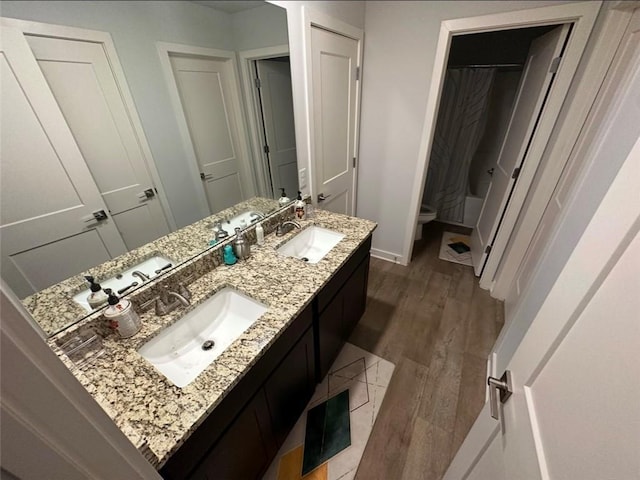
[576,377]
[277,111]
[208,95]
[534,86]
[333,66]
[85,88]
[47,192]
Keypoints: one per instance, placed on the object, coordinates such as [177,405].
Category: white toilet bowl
[427,214]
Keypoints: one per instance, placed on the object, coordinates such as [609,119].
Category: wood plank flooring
[434,322]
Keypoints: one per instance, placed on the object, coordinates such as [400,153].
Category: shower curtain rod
[490,65]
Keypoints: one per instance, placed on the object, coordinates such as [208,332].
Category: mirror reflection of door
[81,80]
[208,94]
[276,121]
[48,199]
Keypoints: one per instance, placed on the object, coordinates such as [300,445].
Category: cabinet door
[330,333]
[245,451]
[355,297]
[291,386]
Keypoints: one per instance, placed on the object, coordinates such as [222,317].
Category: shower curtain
[460,125]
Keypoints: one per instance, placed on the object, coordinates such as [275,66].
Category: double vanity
[212,388]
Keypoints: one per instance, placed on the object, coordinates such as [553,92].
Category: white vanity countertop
[159,416]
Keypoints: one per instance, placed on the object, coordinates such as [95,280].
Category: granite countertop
[179,246]
[158,416]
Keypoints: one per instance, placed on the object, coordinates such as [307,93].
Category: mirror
[86,187]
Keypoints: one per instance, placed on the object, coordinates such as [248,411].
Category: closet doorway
[497,90]
[266,76]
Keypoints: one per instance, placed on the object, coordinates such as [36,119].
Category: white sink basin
[311,244]
[242,220]
[125,278]
[180,351]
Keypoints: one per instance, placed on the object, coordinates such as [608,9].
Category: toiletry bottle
[228,255]
[97,297]
[122,315]
[242,247]
[300,208]
[260,234]
[283,200]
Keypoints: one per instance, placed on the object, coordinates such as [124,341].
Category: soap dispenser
[300,207]
[242,248]
[283,200]
[97,297]
[122,315]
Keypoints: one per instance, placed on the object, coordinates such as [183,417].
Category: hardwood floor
[437,326]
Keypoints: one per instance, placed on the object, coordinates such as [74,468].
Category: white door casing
[48,194]
[535,83]
[334,67]
[86,91]
[628,54]
[204,90]
[279,126]
[583,16]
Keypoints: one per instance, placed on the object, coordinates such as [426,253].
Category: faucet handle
[184,291]
[161,307]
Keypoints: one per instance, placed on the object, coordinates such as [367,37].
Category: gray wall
[400,45]
[135,27]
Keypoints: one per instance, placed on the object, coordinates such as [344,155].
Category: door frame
[252,105]
[312,18]
[164,50]
[104,39]
[583,16]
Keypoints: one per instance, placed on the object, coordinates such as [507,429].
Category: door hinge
[266,149]
[258,83]
[516,173]
[555,64]
[357,73]
[487,250]
[354,162]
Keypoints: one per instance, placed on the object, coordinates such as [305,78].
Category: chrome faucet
[142,276]
[286,227]
[163,303]
[219,232]
[255,216]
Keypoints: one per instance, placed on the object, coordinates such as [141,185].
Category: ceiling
[231,6]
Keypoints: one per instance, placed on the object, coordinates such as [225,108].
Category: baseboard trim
[388,256]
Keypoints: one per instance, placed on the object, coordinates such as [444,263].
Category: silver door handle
[205,176]
[97,216]
[322,197]
[501,388]
[490,171]
[146,194]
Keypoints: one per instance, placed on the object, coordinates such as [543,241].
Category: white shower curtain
[460,125]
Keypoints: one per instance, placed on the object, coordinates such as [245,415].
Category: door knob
[205,176]
[490,171]
[501,388]
[146,194]
[322,197]
[97,216]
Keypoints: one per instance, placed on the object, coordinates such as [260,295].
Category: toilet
[427,214]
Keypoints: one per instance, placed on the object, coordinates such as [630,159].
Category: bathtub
[472,209]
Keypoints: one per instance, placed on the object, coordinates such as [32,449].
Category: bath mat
[456,248]
[360,378]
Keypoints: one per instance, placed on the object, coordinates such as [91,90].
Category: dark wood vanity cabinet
[339,307]
[242,435]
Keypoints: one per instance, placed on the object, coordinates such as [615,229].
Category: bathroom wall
[259,27]
[400,45]
[503,94]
